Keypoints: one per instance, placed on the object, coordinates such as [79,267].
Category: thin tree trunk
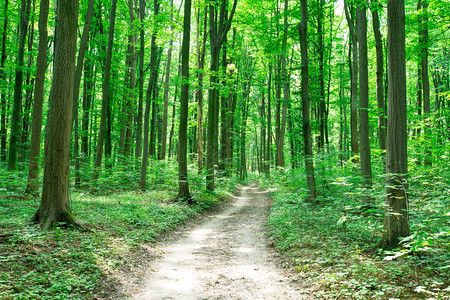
[29,86]
[41,66]
[183,184]
[354,84]
[286,90]
[269,121]
[424,78]
[138,152]
[105,93]
[148,102]
[361,29]
[309,159]
[3,130]
[199,93]
[322,104]
[15,119]
[217,37]
[76,85]
[380,76]
[166,90]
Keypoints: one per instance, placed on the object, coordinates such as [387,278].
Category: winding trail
[225,257]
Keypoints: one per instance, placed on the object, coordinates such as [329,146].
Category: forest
[122,122]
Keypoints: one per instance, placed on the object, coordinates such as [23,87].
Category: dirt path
[226,257]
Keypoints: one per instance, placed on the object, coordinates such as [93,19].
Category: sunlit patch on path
[226,257]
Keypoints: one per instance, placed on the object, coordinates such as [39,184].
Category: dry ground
[225,257]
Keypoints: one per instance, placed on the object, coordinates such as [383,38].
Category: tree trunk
[105,93]
[286,90]
[217,37]
[138,152]
[364,130]
[183,184]
[41,66]
[148,102]
[322,104]
[380,73]
[396,220]
[166,89]
[309,159]
[269,121]
[29,86]
[25,7]
[354,84]
[76,85]
[54,205]
[424,78]
[128,94]
[3,130]
[199,93]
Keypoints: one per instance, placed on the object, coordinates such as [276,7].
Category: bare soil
[227,256]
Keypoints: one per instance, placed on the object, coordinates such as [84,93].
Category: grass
[73,264]
[328,243]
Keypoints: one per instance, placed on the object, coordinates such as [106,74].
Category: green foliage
[331,243]
[73,264]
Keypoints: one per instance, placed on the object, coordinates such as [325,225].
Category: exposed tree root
[49,220]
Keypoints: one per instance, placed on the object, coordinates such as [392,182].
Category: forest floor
[227,256]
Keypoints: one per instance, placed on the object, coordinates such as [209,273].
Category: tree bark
[354,84]
[309,159]
[166,89]
[361,30]
[41,66]
[105,93]
[148,102]
[217,37]
[183,183]
[423,75]
[15,119]
[286,90]
[3,130]
[380,73]
[396,220]
[130,84]
[54,205]
[76,85]
[201,50]
[138,152]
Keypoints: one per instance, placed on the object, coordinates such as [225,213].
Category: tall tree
[361,30]
[183,184]
[217,34]
[354,82]
[396,220]
[130,83]
[148,98]
[162,154]
[309,159]
[25,7]
[55,205]
[140,107]
[381,105]
[3,130]
[201,50]
[76,86]
[286,89]
[423,68]
[105,93]
[36,128]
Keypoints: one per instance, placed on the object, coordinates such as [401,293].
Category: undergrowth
[332,244]
[73,264]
